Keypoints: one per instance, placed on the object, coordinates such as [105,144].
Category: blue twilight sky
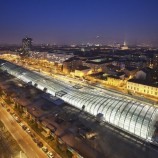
[79,21]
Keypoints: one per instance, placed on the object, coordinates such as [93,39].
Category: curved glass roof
[129,115]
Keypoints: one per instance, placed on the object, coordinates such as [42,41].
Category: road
[24,140]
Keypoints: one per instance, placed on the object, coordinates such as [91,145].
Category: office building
[26,44]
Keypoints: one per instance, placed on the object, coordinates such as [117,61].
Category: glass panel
[134,119]
[105,110]
[111,108]
[96,103]
[129,116]
[101,107]
[124,114]
[118,114]
[112,120]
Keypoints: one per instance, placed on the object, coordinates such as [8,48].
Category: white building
[138,86]
[59,57]
[143,74]
[38,55]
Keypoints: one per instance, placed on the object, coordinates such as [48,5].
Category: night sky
[79,21]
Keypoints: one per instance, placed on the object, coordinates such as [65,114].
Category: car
[17,119]
[32,135]
[35,140]
[24,127]
[40,144]
[28,130]
[21,124]
[12,113]
[50,154]
[45,149]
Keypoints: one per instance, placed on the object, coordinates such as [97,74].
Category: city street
[24,140]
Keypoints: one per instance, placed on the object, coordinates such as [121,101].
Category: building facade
[71,65]
[155,61]
[97,66]
[26,44]
[38,55]
[155,67]
[115,81]
[138,87]
[82,71]
[59,57]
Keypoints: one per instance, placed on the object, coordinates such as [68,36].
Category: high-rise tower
[26,46]
[26,43]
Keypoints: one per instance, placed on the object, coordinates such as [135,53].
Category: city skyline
[79,22]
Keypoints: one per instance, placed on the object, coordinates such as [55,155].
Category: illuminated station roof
[129,115]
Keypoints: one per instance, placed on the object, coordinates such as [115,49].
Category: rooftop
[98,62]
[72,59]
[82,68]
[131,68]
[144,82]
[146,70]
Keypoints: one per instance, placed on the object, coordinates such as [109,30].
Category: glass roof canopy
[128,115]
